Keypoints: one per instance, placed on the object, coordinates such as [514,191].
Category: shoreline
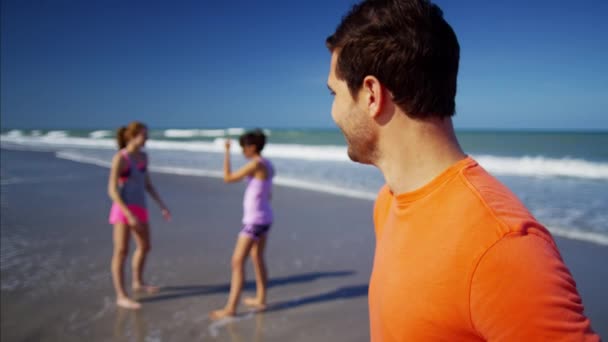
[319,256]
[313,280]
[562,232]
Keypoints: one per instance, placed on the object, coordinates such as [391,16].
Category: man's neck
[414,152]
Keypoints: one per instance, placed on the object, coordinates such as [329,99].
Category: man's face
[351,117]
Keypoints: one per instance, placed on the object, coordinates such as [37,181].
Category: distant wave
[81,158]
[53,139]
[576,234]
[100,134]
[235,131]
[193,133]
[13,134]
[288,151]
[204,133]
[569,233]
[538,166]
[544,167]
[56,134]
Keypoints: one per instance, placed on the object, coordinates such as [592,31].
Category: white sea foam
[330,189]
[100,134]
[196,171]
[78,157]
[181,133]
[570,233]
[544,167]
[205,133]
[54,139]
[15,133]
[193,133]
[56,134]
[538,166]
[235,131]
[576,234]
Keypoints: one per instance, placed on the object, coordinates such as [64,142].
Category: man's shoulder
[383,193]
[502,206]
[383,199]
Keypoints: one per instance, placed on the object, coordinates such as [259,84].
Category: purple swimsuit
[257,212]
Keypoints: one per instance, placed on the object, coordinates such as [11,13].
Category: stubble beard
[362,144]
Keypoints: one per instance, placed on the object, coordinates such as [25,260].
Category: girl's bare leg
[121,248]
[142,238]
[261,276]
[241,250]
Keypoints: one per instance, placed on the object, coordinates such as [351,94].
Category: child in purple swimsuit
[257,219]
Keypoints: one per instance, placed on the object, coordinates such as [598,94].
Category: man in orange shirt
[458,257]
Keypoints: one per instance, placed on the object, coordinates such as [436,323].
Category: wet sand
[56,249]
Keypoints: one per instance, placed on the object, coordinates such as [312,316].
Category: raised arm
[247,170]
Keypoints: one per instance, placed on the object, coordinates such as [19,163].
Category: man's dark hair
[255,137]
[407,46]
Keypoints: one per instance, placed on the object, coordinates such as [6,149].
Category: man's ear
[372,95]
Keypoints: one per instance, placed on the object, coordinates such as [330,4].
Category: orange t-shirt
[462,259]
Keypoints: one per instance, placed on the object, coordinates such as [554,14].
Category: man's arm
[521,290]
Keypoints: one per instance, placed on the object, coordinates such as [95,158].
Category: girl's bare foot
[254,303]
[222,313]
[147,289]
[127,303]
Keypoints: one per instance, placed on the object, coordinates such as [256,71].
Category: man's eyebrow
[329,87]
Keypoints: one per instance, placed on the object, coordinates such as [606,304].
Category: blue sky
[88,64]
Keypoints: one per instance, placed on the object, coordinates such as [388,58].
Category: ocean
[561,176]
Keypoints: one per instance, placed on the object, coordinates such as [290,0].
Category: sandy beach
[56,249]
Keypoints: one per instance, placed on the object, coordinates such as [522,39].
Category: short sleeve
[521,290]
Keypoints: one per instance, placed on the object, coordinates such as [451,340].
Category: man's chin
[357,157]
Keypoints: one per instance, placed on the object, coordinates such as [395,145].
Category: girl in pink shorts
[129,181]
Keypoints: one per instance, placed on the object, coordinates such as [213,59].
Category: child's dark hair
[255,137]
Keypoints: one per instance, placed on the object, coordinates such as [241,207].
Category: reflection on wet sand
[130,325]
[236,336]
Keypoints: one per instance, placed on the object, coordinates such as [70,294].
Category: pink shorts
[117,216]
